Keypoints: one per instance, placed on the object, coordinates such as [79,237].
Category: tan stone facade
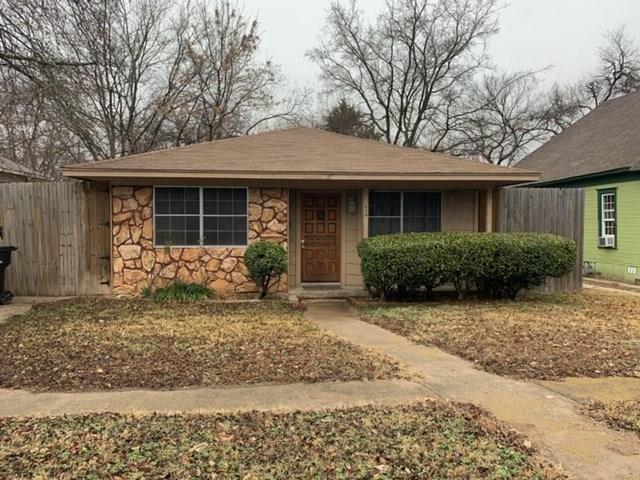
[137,263]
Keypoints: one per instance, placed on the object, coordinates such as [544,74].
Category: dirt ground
[547,337]
[425,440]
[621,415]
[107,343]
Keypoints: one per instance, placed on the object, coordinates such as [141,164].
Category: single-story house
[11,172]
[190,212]
[601,153]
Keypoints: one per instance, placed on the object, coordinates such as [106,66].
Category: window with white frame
[200,216]
[404,212]
[607,206]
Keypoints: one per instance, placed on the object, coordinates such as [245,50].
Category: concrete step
[298,294]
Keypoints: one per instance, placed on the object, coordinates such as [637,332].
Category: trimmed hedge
[498,264]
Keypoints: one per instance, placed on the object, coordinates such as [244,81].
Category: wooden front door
[320,237]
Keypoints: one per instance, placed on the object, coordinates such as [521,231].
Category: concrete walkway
[22,305]
[610,286]
[551,420]
[15,308]
[302,396]
[604,389]
[598,288]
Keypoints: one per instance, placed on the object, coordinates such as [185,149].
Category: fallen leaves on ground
[106,343]
[425,440]
[546,337]
[622,415]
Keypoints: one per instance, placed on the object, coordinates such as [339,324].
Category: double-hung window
[607,215]
[404,212]
[200,216]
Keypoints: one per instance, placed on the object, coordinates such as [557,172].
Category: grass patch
[621,415]
[426,440]
[106,343]
[547,337]
[179,292]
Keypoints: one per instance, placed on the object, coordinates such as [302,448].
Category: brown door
[320,237]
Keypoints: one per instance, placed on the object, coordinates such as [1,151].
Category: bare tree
[30,37]
[409,67]
[423,77]
[127,76]
[231,91]
[562,109]
[106,89]
[27,134]
[618,73]
[506,118]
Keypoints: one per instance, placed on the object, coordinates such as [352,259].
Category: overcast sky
[533,33]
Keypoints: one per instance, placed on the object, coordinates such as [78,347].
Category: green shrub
[498,264]
[524,260]
[266,261]
[179,292]
[402,262]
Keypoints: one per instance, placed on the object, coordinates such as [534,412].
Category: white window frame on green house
[401,216]
[201,215]
[607,215]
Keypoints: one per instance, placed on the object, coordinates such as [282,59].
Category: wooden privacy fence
[62,232]
[546,210]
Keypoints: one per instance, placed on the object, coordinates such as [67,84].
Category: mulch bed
[621,415]
[546,337]
[107,343]
[425,440]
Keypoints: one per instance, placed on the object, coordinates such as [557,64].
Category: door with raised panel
[320,239]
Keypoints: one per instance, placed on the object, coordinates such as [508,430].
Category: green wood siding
[614,262]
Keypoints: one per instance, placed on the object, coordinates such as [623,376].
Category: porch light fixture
[352,204]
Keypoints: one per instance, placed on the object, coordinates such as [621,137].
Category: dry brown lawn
[547,337]
[621,415]
[103,344]
[425,440]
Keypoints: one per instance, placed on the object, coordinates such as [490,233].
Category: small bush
[498,264]
[179,292]
[266,261]
[524,260]
[402,262]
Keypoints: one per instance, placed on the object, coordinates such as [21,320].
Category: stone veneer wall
[137,263]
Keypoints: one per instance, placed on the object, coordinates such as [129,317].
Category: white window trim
[604,220]
[401,216]
[201,215]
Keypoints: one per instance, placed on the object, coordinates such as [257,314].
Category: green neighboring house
[601,153]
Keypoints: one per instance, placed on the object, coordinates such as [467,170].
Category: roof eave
[97,174]
[576,178]
[21,173]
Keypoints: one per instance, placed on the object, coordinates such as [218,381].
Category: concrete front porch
[324,291]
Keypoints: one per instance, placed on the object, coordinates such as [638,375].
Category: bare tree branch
[404,68]
[506,118]
[126,76]
[618,73]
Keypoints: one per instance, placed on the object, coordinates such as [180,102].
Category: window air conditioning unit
[607,241]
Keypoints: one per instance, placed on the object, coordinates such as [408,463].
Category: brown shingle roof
[607,138]
[9,166]
[293,153]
